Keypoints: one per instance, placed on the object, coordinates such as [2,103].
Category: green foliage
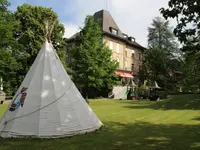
[187,30]
[187,15]
[8,64]
[160,35]
[163,56]
[7,25]
[154,66]
[31,31]
[191,70]
[8,70]
[92,65]
[143,89]
[22,35]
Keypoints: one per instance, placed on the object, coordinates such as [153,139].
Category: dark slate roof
[107,22]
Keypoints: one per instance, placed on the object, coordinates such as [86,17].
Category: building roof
[106,23]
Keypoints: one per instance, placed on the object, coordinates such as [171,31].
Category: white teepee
[48,104]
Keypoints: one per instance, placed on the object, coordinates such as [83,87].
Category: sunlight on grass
[197,145]
[3,109]
[142,125]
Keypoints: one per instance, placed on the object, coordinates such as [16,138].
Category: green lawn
[2,109]
[172,124]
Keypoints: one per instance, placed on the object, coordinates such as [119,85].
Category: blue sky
[59,7]
[132,16]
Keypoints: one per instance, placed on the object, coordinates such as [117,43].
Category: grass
[172,124]
[2,109]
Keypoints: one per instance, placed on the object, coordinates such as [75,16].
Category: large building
[124,47]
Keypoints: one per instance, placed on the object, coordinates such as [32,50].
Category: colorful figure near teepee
[19,100]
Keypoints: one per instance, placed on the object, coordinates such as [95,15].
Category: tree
[191,70]
[187,30]
[22,35]
[187,14]
[93,69]
[30,33]
[162,58]
[7,25]
[160,35]
[8,70]
[8,64]
[154,66]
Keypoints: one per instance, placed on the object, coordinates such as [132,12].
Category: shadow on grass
[114,135]
[197,118]
[177,102]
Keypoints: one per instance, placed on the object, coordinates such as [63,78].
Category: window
[140,56]
[126,53]
[114,31]
[111,45]
[125,36]
[132,39]
[117,47]
[133,67]
[126,64]
[133,56]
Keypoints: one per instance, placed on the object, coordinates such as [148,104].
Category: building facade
[124,48]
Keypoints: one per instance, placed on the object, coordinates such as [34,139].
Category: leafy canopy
[187,14]
[162,58]
[92,65]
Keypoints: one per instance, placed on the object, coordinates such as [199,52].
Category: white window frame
[125,36]
[126,64]
[111,45]
[114,31]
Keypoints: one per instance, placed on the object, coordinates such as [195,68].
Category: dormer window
[114,31]
[132,39]
[125,36]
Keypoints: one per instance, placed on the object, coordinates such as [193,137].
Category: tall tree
[191,70]
[30,33]
[161,58]
[160,35]
[187,30]
[92,66]
[7,24]
[154,66]
[187,14]
[8,46]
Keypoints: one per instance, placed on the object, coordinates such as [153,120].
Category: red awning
[124,74]
[128,75]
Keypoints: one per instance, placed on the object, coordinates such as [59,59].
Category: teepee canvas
[48,104]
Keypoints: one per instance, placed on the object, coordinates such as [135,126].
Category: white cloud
[70,29]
